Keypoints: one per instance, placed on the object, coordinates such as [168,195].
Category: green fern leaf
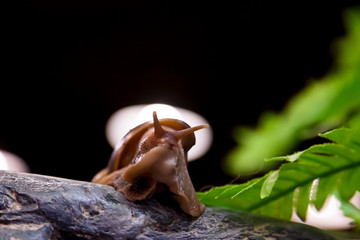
[323,105]
[309,178]
[327,186]
[269,184]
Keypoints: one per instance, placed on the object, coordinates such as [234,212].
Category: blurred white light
[330,216]
[162,110]
[3,162]
[123,120]
[9,161]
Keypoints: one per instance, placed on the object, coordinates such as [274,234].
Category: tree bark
[43,207]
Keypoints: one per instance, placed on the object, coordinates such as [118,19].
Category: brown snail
[152,158]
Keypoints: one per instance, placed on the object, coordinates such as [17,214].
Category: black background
[70,64]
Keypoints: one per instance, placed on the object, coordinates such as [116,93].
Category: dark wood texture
[42,207]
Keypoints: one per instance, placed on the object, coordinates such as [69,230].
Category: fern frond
[323,105]
[309,177]
[334,167]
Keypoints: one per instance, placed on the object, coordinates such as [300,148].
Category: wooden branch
[43,207]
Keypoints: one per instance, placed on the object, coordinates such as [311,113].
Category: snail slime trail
[152,158]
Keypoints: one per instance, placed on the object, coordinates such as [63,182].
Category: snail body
[152,158]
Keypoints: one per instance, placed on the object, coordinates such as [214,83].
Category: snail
[152,158]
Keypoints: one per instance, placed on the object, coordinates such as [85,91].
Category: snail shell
[152,158]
